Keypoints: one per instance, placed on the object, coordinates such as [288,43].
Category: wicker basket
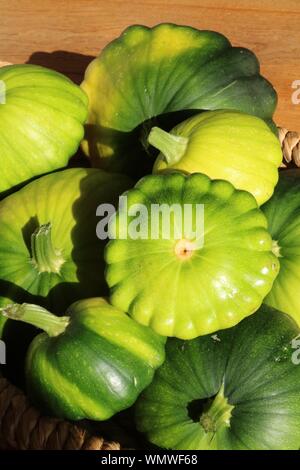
[23,427]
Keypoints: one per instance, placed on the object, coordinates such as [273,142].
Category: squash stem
[173,147]
[217,413]
[44,256]
[36,316]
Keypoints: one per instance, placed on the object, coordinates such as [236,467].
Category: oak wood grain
[66,34]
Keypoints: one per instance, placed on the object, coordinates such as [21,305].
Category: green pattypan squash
[49,251]
[157,72]
[189,256]
[91,363]
[228,145]
[283,215]
[41,122]
[238,389]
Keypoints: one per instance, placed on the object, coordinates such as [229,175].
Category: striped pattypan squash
[91,363]
[235,390]
[283,215]
[152,73]
[41,122]
[225,145]
[188,255]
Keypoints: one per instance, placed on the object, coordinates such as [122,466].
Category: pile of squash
[201,340]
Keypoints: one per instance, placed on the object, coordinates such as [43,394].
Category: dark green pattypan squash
[91,363]
[189,255]
[159,72]
[228,145]
[283,214]
[237,389]
[41,122]
[49,251]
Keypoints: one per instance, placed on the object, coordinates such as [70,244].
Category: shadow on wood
[71,64]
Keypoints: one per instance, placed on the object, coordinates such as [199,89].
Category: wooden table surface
[66,35]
